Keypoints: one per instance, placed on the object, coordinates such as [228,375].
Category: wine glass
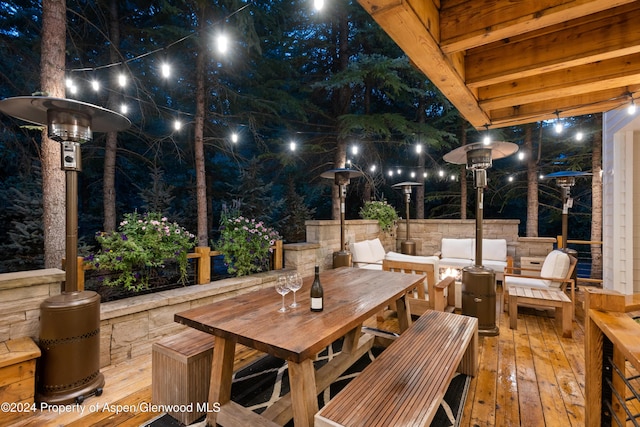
[282,287]
[294,281]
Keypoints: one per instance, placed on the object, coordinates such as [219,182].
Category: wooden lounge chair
[436,296]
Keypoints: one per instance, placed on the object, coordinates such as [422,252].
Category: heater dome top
[34,109]
[499,149]
[345,172]
[406,184]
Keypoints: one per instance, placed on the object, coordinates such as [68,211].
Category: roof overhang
[504,62]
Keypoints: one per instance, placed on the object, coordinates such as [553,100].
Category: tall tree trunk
[111,143]
[464,194]
[596,200]
[341,101]
[532,183]
[201,182]
[54,29]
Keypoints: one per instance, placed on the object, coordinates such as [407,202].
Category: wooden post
[278,256]
[203,275]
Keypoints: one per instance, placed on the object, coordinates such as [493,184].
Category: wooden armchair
[438,296]
[556,273]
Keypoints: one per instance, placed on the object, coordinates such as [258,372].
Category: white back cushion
[555,265]
[377,250]
[494,249]
[458,248]
[362,252]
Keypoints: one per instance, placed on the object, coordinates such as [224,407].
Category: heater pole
[479,216]
[71,262]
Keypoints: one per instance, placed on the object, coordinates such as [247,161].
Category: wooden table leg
[304,400]
[221,376]
[513,309]
[404,314]
[564,318]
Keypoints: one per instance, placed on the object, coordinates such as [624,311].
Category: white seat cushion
[456,262]
[529,282]
[395,256]
[457,248]
[555,265]
[497,266]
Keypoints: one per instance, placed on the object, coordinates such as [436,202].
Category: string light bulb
[165,69]
[418,148]
[354,150]
[558,126]
[122,80]
[292,146]
[579,136]
[124,109]
[318,4]
[234,137]
[95,85]
[222,43]
[372,168]
[177,125]
[632,107]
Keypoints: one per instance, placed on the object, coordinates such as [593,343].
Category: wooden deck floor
[529,377]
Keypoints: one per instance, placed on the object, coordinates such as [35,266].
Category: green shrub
[381,211]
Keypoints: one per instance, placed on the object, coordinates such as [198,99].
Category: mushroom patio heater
[69,369]
[479,282]
[408,246]
[565,180]
[341,177]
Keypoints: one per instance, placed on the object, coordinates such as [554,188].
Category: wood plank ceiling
[510,62]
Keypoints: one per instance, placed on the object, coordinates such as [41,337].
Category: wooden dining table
[351,296]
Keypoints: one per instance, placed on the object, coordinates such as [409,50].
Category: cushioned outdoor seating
[370,254]
[556,273]
[460,253]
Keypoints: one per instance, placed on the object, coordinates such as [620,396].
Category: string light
[413,174]
[558,126]
[122,80]
[579,136]
[372,168]
[234,137]
[487,138]
[418,148]
[521,155]
[222,43]
[95,85]
[177,125]
[318,4]
[165,70]
[354,150]
[632,107]
[292,146]
[124,109]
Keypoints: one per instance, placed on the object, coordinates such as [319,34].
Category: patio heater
[565,180]
[408,246]
[341,177]
[69,368]
[479,282]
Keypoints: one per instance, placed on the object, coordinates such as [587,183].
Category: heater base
[408,247]
[341,259]
[479,298]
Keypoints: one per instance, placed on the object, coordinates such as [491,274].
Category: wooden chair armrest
[366,262]
[525,276]
[442,301]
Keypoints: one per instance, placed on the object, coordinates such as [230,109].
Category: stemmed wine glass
[294,281]
[282,287]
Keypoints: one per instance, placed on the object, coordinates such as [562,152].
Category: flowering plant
[381,211]
[141,241]
[245,243]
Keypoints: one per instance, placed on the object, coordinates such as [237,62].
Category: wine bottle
[317,295]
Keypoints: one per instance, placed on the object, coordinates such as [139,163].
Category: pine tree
[297,214]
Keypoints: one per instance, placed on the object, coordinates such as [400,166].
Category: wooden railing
[202,254]
[612,358]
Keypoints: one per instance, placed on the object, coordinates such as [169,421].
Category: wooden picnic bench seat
[406,383]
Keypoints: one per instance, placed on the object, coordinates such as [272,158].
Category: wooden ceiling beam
[590,103]
[469,24]
[595,41]
[613,73]
[414,26]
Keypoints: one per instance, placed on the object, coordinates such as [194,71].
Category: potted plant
[141,243]
[245,243]
[381,211]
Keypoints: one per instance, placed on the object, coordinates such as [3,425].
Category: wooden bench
[406,383]
[541,298]
[180,372]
